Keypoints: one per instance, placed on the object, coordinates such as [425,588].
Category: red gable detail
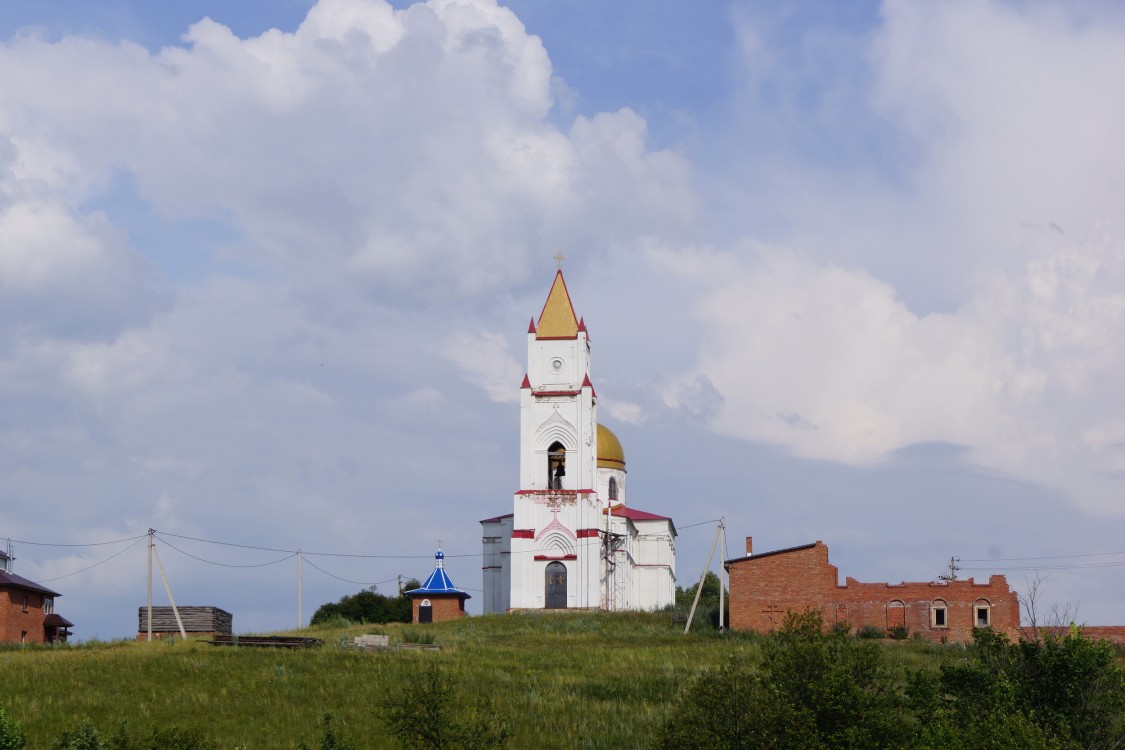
[531,328]
[526,382]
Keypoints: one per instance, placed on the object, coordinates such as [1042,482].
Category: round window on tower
[556,365]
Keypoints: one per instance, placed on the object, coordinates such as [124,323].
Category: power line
[87,544]
[115,554]
[1043,557]
[701,523]
[228,565]
[345,580]
[1117,564]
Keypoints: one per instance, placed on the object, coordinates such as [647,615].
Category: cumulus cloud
[817,343]
[483,359]
[405,148]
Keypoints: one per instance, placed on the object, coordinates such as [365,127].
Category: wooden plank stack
[197,621]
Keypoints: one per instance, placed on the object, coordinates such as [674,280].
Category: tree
[708,610]
[368,606]
[812,690]
[1060,691]
[1037,615]
[709,597]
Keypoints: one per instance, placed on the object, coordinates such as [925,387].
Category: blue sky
[853,272]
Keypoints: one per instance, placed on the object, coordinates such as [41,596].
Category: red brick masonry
[444,606]
[764,587]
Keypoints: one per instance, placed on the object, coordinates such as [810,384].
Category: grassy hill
[573,680]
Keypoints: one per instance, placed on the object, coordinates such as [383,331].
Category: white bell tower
[571,530]
[556,550]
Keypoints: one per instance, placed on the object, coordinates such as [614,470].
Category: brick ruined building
[764,587]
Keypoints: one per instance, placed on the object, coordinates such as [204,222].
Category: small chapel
[572,541]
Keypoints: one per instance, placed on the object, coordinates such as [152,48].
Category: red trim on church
[523,533]
[587,533]
[540,558]
[554,492]
[539,394]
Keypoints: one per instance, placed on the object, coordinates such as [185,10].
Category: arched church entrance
[425,611]
[555,586]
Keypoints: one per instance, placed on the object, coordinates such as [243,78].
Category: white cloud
[404,149]
[483,360]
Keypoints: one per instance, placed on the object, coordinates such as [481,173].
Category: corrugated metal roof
[11,580]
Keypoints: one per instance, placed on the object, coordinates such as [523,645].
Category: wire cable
[227,565]
[1044,557]
[1052,567]
[701,523]
[88,544]
[88,567]
[340,578]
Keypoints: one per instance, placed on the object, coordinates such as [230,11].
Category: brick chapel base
[442,607]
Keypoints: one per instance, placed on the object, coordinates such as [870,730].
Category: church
[572,541]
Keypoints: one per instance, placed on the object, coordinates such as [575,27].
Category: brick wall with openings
[764,587]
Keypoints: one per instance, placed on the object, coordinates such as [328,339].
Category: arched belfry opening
[556,465]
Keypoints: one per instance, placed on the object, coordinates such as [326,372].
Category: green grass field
[573,680]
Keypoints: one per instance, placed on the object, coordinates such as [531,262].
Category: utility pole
[722,571]
[150,584]
[400,584]
[171,600]
[300,594]
[702,578]
[952,570]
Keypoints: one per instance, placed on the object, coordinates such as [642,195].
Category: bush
[1060,692]
[813,689]
[11,733]
[898,632]
[83,737]
[869,632]
[425,713]
[328,739]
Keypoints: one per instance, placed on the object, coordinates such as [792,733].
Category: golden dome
[610,454]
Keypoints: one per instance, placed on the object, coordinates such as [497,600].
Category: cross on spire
[559,257]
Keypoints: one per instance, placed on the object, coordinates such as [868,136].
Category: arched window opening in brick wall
[939,614]
[982,614]
[841,614]
[896,614]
